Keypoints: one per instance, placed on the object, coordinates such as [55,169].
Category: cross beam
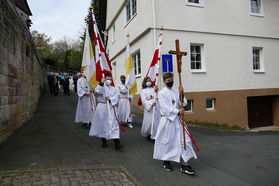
[178,54]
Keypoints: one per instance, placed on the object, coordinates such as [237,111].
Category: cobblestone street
[71,176]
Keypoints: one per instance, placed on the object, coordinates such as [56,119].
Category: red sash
[120,126]
[189,134]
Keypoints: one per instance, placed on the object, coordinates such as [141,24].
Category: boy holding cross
[169,144]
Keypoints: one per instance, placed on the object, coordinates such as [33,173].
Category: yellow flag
[131,82]
[88,63]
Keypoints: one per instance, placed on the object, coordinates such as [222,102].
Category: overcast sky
[58,18]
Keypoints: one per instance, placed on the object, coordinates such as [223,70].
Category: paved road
[52,144]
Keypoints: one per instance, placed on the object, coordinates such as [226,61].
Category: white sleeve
[146,103]
[100,90]
[165,109]
[114,97]
[123,89]
[184,101]
[80,88]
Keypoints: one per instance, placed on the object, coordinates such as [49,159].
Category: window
[189,105]
[194,2]
[137,63]
[113,33]
[256,7]
[131,9]
[196,57]
[257,59]
[210,104]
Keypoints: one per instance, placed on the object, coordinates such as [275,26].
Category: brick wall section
[21,74]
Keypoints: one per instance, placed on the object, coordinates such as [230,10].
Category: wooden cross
[179,55]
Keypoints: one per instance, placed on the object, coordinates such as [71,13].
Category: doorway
[260,112]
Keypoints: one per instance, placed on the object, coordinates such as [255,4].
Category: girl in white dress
[149,100]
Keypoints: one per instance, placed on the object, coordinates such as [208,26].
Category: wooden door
[260,111]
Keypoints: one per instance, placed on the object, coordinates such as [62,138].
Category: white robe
[147,97]
[124,105]
[102,126]
[71,84]
[169,145]
[86,104]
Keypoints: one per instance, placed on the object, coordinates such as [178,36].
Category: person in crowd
[67,85]
[50,79]
[75,79]
[55,84]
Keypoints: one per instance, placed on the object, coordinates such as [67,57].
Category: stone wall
[21,73]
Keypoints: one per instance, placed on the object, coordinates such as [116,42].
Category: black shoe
[117,144]
[119,147]
[104,143]
[187,169]
[148,138]
[167,166]
[84,125]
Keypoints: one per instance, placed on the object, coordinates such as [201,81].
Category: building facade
[24,11]
[230,75]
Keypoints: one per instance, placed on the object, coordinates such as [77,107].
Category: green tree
[76,52]
[64,53]
[75,60]
[43,45]
[100,15]
[67,59]
[58,52]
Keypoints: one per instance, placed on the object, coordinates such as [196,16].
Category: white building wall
[144,45]
[138,25]
[228,61]
[219,16]
[225,28]
[112,8]
[141,37]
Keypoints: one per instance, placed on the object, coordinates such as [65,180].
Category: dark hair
[122,77]
[143,85]
[167,75]
[108,75]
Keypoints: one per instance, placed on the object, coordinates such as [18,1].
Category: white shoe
[130,125]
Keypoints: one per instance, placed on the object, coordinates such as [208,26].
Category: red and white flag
[103,65]
[153,70]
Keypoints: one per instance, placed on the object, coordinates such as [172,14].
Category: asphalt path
[52,139]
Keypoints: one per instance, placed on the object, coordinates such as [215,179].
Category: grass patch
[215,126]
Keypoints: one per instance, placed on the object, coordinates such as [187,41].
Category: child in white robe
[125,104]
[103,126]
[169,144]
[86,102]
[148,95]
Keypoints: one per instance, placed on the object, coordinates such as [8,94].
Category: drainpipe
[154,42]
[154,25]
